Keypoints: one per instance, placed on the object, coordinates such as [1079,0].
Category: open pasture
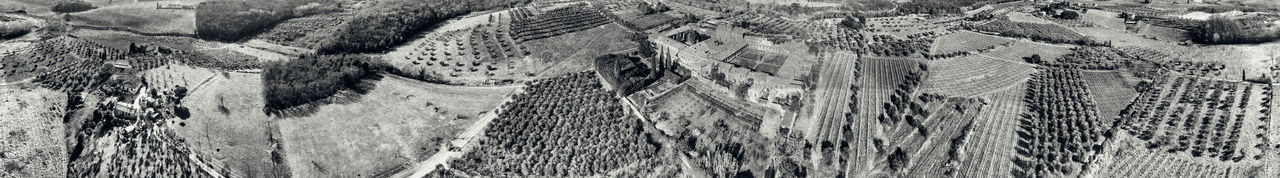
[400,121]
[973,76]
[31,132]
[142,16]
[227,122]
[574,52]
[1104,19]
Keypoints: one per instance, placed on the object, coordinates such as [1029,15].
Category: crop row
[1193,115]
[526,26]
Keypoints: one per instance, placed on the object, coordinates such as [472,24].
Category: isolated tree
[1070,15]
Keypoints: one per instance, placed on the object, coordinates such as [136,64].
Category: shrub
[14,29]
[71,6]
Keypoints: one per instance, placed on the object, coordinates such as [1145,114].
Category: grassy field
[1024,17]
[32,142]
[965,41]
[1104,19]
[975,75]
[227,122]
[142,17]
[400,121]
[990,151]
[1111,91]
[36,7]
[573,52]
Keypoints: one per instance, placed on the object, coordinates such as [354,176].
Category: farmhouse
[692,47]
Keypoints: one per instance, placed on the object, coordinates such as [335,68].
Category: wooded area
[394,22]
[233,20]
[1221,30]
[71,6]
[310,78]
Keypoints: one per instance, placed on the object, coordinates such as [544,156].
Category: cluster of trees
[884,45]
[942,7]
[14,29]
[1222,30]
[390,23]
[626,73]
[1059,10]
[1092,58]
[232,20]
[1196,68]
[70,6]
[855,23]
[70,64]
[562,126]
[1061,126]
[310,78]
[303,32]
[1039,32]
[646,8]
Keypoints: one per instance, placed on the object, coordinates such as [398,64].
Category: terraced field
[966,41]
[1111,91]
[973,76]
[1025,48]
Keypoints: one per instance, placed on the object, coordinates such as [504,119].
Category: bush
[71,6]
[14,29]
[1069,15]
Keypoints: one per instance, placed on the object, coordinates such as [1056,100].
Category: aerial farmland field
[142,16]
[966,41]
[639,88]
[975,75]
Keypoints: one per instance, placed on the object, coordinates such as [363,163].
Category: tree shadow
[346,96]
